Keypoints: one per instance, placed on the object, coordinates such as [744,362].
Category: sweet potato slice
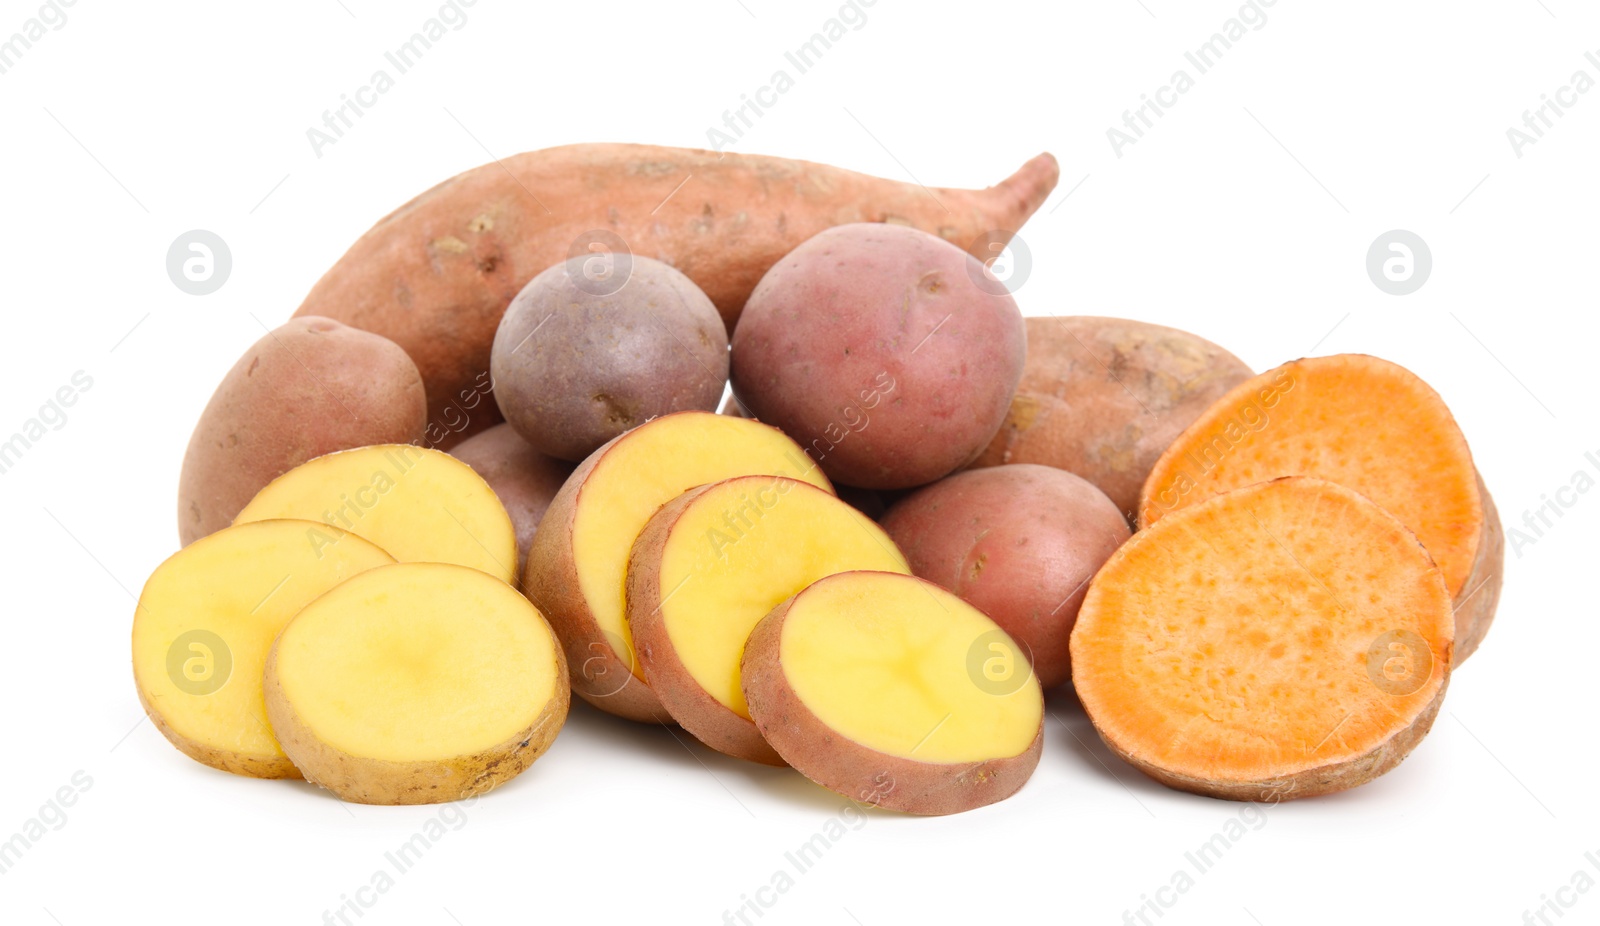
[207,617]
[1278,641]
[577,566]
[420,505]
[1365,423]
[416,683]
[891,691]
[709,566]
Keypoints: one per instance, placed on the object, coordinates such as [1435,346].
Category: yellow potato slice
[577,566]
[416,683]
[205,621]
[892,691]
[710,565]
[421,505]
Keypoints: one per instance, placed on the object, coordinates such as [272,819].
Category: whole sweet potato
[437,273]
[309,388]
[1103,397]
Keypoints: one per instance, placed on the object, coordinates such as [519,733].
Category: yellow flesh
[652,465]
[242,584]
[740,550]
[884,660]
[423,506]
[418,662]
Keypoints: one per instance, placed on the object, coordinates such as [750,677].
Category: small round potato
[307,388]
[524,479]
[1019,543]
[890,354]
[576,363]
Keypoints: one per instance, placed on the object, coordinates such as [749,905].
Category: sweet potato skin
[1019,543]
[878,350]
[1103,397]
[857,771]
[436,275]
[308,388]
[524,479]
[1480,594]
[694,709]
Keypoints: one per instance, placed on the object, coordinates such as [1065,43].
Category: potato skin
[875,347]
[690,705]
[574,365]
[377,781]
[435,275]
[248,766]
[1103,397]
[1019,543]
[310,387]
[524,479]
[852,769]
[598,672]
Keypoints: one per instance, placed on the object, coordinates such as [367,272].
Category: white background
[1244,215]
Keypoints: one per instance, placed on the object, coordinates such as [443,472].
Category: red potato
[436,274]
[1019,543]
[524,479]
[307,388]
[889,354]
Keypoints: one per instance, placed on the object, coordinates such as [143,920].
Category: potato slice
[892,691]
[416,683]
[421,505]
[709,566]
[577,567]
[207,617]
[1282,640]
[1365,423]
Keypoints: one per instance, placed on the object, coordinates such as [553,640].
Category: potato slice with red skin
[709,566]
[880,687]
[577,566]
